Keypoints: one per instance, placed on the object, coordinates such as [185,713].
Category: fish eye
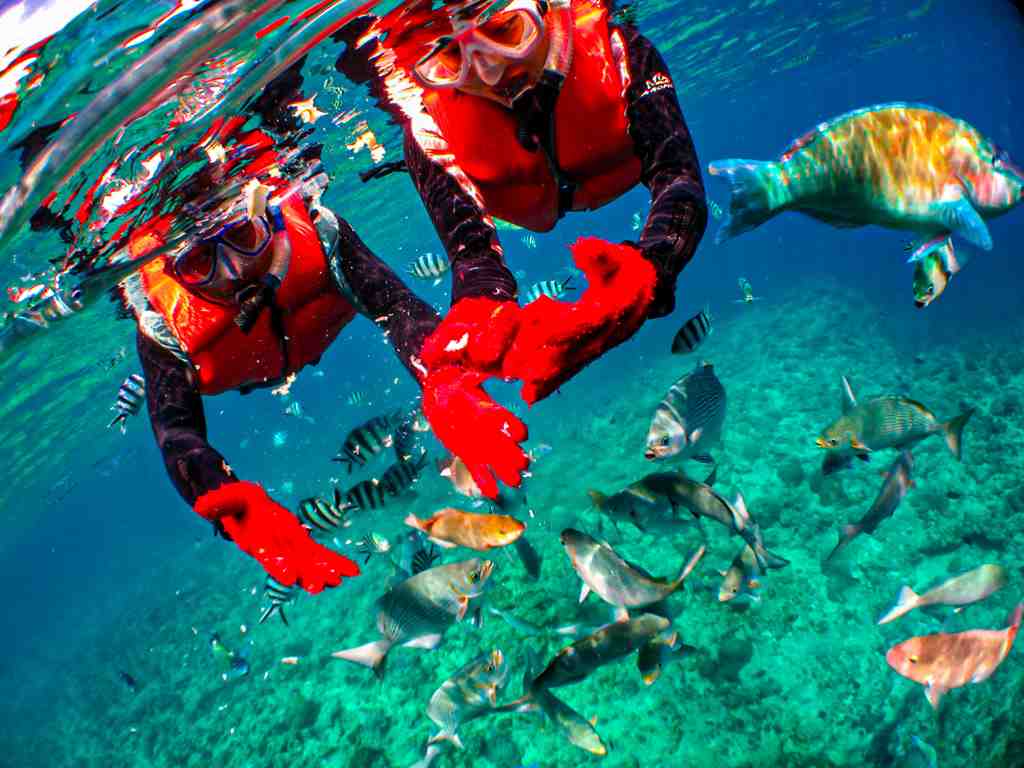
[912,659]
[833,441]
[664,440]
[474,577]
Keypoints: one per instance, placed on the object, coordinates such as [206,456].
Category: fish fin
[426,642]
[835,462]
[691,564]
[849,399]
[584,591]
[704,458]
[846,534]
[865,457]
[712,477]
[740,515]
[953,431]
[906,601]
[960,218]
[934,694]
[695,435]
[371,655]
[918,250]
[1014,622]
[597,498]
[752,184]
[270,611]
[621,613]
[338,498]
[858,445]
[414,522]
[444,544]
[766,559]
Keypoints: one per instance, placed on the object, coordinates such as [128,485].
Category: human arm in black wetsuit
[179,424]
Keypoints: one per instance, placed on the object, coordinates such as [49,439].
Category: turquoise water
[106,570]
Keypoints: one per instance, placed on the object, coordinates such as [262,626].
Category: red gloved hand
[475,334]
[265,530]
[472,426]
[558,339]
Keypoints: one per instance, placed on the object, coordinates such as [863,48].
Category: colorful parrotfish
[904,166]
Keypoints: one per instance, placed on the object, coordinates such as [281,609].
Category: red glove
[472,426]
[265,530]
[556,339]
[475,334]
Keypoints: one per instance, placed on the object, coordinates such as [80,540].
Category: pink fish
[943,661]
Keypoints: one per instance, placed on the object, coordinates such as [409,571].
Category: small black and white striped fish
[130,397]
[553,289]
[366,494]
[355,398]
[318,514]
[693,333]
[368,440]
[400,476]
[279,595]
[430,266]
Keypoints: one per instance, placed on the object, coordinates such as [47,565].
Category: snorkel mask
[482,47]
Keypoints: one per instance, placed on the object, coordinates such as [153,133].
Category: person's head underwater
[239,264]
[502,54]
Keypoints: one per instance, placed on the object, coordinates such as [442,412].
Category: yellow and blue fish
[904,166]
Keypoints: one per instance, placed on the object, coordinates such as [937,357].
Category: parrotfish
[417,611]
[468,694]
[964,589]
[935,263]
[452,527]
[658,654]
[741,578]
[614,580]
[688,422]
[895,486]
[943,661]
[884,422]
[578,661]
[903,166]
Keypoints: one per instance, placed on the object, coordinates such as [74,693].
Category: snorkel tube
[560,46]
[254,298]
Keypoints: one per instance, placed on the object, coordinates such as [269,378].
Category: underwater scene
[511,383]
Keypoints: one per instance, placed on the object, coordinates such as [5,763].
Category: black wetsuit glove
[253,299]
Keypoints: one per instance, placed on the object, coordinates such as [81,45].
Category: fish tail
[767,559]
[1015,618]
[846,534]
[371,655]
[753,185]
[447,735]
[271,610]
[597,498]
[906,601]
[414,522]
[954,430]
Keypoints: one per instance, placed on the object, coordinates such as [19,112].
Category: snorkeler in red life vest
[246,307]
[527,113]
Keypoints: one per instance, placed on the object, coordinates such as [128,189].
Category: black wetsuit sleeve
[669,168]
[381,295]
[468,236]
[179,425]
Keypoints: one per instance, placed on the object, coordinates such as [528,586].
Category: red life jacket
[593,146]
[307,315]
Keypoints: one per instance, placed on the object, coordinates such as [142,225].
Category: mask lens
[195,266]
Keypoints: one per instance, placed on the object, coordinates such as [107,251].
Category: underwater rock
[734,654]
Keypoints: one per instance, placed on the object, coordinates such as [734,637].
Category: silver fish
[416,612]
[614,580]
[468,694]
[895,486]
[553,289]
[130,397]
[279,596]
[689,421]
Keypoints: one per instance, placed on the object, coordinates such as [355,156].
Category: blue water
[117,572]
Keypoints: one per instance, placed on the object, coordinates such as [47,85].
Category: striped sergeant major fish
[318,514]
[279,595]
[368,440]
[430,266]
[693,333]
[366,494]
[689,420]
[399,477]
[130,397]
[553,289]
